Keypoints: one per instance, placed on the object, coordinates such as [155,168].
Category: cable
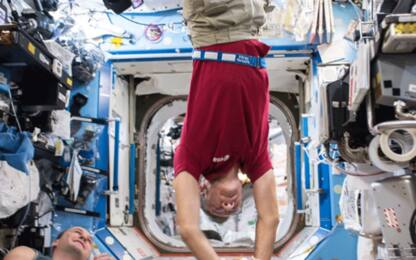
[14,12]
[145,24]
[334,163]
[109,18]
[14,111]
[356,173]
[20,228]
[126,18]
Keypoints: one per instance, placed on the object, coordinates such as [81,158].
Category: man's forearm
[265,237]
[268,215]
[187,216]
[199,244]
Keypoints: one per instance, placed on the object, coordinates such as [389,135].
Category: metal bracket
[367,30]
[109,192]
[311,191]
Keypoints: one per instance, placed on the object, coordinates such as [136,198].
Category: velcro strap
[242,59]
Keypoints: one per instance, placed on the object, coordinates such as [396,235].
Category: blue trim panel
[298,172]
[325,196]
[101,248]
[151,59]
[190,50]
[305,132]
[103,112]
[158,51]
[116,248]
[101,206]
[132,178]
[307,171]
[339,244]
[336,180]
[304,126]
[120,59]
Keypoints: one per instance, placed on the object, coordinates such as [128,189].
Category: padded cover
[18,189]
[15,148]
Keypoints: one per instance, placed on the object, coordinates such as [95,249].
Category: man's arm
[187,216]
[21,253]
[103,257]
[268,215]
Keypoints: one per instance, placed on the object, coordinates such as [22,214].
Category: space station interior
[93,96]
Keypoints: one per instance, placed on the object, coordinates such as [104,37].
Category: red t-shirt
[226,122]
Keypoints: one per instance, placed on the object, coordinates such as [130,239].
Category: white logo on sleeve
[221,159]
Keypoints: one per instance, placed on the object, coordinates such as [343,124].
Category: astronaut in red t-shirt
[226,123]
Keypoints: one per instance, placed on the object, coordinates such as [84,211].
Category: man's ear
[55,243]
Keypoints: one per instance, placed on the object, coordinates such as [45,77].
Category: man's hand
[103,257]
[187,216]
[21,253]
[268,215]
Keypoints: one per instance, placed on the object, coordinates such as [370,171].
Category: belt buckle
[211,55]
[197,54]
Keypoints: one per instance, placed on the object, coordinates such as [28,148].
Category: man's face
[75,241]
[223,197]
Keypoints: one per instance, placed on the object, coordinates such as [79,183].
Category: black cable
[44,214]
[145,24]
[412,227]
[38,5]
[20,227]
[13,11]
[14,111]
[109,18]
